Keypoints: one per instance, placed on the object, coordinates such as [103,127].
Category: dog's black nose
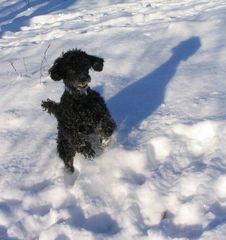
[85,78]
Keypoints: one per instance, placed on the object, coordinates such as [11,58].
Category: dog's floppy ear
[96,63]
[57,70]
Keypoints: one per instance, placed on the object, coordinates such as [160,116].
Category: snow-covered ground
[165,83]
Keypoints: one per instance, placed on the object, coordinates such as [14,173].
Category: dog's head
[73,67]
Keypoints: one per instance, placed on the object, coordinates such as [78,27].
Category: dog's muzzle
[83,83]
[83,87]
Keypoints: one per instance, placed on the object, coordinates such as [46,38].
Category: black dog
[81,112]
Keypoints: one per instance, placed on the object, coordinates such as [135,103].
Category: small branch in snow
[14,68]
[44,59]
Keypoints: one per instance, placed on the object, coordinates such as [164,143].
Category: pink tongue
[82,85]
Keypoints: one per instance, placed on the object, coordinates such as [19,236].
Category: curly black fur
[81,112]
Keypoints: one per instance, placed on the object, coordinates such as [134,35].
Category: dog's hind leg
[66,153]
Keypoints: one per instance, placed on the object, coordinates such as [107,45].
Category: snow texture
[164,174]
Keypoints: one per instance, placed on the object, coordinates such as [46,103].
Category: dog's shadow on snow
[139,100]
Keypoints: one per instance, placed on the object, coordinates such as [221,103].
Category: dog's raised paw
[46,104]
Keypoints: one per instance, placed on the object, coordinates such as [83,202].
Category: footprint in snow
[134,178]
[70,179]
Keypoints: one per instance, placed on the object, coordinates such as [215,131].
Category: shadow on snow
[45,7]
[136,102]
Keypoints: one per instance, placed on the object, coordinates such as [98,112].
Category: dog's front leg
[50,106]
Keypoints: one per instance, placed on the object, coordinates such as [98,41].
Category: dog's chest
[81,108]
[83,105]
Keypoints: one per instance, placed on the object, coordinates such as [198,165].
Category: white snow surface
[164,174]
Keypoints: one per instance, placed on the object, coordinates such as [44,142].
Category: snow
[164,174]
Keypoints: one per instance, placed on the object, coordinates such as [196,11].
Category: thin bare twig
[14,68]
[44,59]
